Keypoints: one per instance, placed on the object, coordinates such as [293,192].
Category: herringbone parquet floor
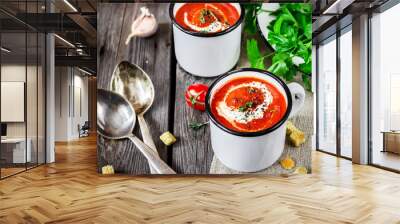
[70,191]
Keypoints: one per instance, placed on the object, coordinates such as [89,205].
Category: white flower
[297,60]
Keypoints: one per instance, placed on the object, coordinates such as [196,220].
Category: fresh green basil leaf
[282,18]
[291,73]
[306,8]
[302,50]
[308,31]
[290,32]
[259,64]
[306,67]
[301,19]
[306,81]
[279,68]
[279,64]
[254,55]
[250,20]
[279,42]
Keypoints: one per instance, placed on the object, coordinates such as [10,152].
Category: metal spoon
[116,120]
[135,85]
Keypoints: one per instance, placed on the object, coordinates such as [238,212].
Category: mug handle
[298,97]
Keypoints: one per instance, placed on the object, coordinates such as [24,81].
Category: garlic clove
[145,25]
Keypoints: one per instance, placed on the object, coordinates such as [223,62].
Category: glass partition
[41,97]
[326,101]
[31,98]
[22,94]
[346,93]
[15,152]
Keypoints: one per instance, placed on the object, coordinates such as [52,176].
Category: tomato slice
[195,96]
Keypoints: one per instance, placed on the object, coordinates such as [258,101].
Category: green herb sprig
[197,125]
[290,34]
[250,22]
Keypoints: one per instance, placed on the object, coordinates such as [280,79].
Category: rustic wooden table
[192,154]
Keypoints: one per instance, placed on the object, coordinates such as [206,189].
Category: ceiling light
[64,40]
[5,50]
[84,71]
[337,7]
[70,5]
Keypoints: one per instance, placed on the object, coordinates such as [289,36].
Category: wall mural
[204,88]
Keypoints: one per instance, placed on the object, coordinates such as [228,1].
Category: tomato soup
[248,104]
[207,17]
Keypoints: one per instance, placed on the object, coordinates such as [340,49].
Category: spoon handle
[158,164]
[147,139]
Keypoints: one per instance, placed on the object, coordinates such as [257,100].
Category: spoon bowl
[116,119]
[134,84]
[115,116]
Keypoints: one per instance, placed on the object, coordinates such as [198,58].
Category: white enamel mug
[252,151]
[207,54]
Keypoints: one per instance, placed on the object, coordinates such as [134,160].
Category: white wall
[12,73]
[70,83]
[33,126]
[61,103]
[16,73]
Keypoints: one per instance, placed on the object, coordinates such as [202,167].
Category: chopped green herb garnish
[242,109]
[249,104]
[246,106]
[202,14]
[193,100]
[196,125]
[205,13]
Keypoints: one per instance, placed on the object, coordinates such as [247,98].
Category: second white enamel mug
[207,54]
[252,151]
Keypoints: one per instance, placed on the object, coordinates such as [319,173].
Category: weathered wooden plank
[192,154]
[110,18]
[153,55]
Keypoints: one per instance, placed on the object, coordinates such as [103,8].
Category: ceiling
[74,22]
[332,15]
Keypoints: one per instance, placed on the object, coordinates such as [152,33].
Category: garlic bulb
[144,26]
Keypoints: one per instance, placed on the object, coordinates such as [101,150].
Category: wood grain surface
[154,56]
[192,153]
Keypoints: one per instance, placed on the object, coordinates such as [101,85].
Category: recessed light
[70,5]
[337,7]
[5,50]
[64,40]
[84,71]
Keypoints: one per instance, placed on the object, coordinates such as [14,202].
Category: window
[346,92]
[326,102]
[385,89]
[334,108]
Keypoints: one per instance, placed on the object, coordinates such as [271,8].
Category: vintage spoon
[116,120]
[136,86]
